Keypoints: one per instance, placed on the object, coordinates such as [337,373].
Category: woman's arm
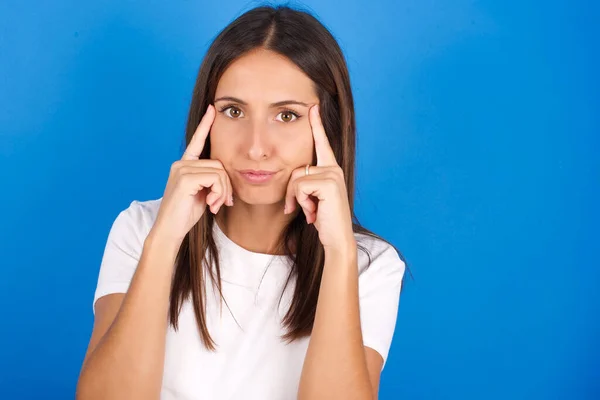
[125,357]
[337,365]
[128,360]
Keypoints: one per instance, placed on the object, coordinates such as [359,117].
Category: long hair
[300,37]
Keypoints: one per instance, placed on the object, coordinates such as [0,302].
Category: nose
[259,143]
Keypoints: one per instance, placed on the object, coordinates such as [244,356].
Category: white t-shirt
[251,362]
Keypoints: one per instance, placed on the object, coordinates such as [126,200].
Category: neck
[256,228]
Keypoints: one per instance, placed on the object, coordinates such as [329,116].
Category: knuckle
[176,165]
[217,183]
[330,175]
[183,170]
[212,163]
[219,164]
[184,179]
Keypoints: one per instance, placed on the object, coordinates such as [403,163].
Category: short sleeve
[379,295]
[122,252]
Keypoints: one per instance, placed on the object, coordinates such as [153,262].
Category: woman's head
[251,131]
[268,56]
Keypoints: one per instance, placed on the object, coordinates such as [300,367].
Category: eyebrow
[272,105]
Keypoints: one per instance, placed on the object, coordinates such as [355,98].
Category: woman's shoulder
[147,209]
[373,243]
[138,218]
[375,251]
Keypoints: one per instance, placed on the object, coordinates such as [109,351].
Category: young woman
[257,216]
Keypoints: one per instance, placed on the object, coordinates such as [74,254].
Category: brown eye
[232,112]
[288,116]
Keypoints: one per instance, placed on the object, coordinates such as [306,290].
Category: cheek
[220,142]
[297,148]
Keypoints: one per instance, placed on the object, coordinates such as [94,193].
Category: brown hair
[300,37]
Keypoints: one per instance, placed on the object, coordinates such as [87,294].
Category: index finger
[325,155]
[194,149]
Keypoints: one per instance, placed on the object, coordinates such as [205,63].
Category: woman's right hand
[192,185]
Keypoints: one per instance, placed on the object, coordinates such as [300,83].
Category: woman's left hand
[322,194]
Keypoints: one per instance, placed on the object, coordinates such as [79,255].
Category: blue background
[478,133]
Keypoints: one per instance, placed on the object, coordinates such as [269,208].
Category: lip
[257,176]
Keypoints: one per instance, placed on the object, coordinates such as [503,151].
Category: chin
[259,196]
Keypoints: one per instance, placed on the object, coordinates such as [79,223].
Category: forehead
[265,76]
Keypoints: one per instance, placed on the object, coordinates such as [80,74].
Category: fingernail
[231,200]
[317,108]
[285,209]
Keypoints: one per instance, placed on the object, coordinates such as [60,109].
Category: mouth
[257,177]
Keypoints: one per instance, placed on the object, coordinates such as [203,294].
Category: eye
[232,112]
[288,116]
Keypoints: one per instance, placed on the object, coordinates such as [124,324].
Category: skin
[257,135]
[130,328]
[261,137]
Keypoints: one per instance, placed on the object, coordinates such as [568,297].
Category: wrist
[156,242]
[347,250]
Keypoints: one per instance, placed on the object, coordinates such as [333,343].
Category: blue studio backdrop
[477,157]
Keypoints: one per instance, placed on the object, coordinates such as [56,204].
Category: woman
[310,297]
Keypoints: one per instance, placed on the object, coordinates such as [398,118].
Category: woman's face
[261,124]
